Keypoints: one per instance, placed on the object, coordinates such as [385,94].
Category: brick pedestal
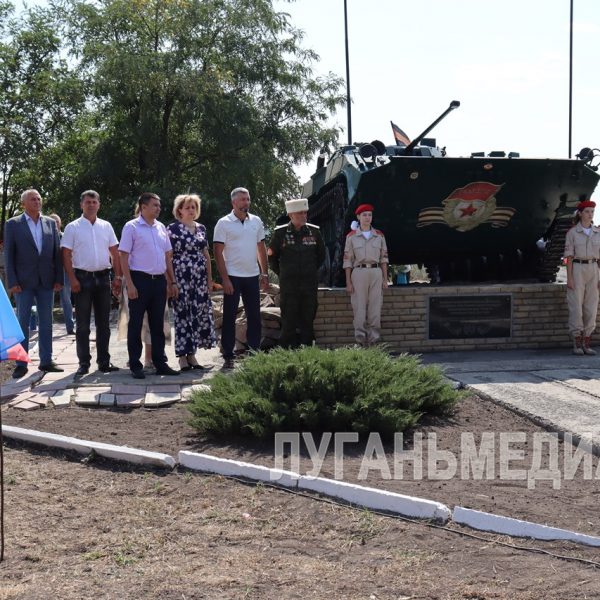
[539,317]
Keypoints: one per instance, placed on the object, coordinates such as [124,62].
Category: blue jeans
[248,288]
[43,298]
[67,306]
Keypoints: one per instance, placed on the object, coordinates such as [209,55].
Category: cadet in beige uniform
[365,263]
[582,251]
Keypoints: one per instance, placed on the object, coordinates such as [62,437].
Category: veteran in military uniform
[365,264]
[295,253]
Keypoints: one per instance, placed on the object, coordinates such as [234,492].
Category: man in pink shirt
[146,261]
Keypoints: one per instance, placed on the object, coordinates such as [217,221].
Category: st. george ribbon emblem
[468,207]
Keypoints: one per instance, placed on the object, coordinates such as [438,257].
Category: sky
[506,61]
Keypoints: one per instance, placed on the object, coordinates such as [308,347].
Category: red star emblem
[468,211]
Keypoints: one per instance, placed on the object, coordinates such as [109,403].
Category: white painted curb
[377,499]
[374,498]
[125,453]
[369,497]
[236,468]
[515,527]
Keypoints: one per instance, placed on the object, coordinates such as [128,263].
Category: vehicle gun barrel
[454,104]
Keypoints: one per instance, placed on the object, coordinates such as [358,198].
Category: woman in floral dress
[192,309]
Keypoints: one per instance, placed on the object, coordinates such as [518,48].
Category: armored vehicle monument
[486,217]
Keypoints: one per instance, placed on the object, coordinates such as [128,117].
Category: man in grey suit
[34,272]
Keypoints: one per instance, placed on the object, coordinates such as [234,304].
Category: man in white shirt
[239,246]
[89,246]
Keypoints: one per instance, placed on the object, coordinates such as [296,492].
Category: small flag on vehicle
[399,135]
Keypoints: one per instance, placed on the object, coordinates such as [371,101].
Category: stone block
[27,405]
[20,398]
[62,399]
[122,388]
[86,399]
[41,399]
[163,389]
[106,400]
[129,400]
[94,389]
[156,400]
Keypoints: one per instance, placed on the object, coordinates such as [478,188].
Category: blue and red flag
[10,331]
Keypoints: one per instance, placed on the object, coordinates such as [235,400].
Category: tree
[39,97]
[199,95]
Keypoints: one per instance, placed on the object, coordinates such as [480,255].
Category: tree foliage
[40,97]
[200,95]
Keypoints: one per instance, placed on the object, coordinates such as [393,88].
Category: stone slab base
[539,317]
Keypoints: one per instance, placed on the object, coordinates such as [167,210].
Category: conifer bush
[349,389]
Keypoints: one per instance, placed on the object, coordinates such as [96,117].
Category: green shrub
[349,389]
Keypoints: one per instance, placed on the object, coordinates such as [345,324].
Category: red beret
[363,208]
[586,204]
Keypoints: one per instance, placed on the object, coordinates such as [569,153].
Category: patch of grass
[123,559]
[93,555]
[368,527]
[414,558]
[127,555]
[349,389]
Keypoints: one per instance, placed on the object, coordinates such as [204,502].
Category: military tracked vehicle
[486,217]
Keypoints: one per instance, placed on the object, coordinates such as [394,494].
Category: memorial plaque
[460,317]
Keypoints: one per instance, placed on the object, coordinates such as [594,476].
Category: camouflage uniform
[296,255]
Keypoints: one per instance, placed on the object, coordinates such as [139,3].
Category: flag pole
[348,107]
[570,77]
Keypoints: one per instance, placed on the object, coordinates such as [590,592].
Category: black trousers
[95,292]
[248,288]
[298,312]
[152,297]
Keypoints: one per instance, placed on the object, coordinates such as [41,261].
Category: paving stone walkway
[554,388]
[38,390]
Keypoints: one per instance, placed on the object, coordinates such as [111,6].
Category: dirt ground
[167,430]
[104,530]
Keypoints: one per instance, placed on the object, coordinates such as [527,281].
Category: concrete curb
[368,497]
[236,468]
[518,528]
[124,453]
[377,499]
